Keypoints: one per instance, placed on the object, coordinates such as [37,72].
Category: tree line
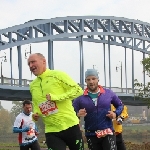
[144,89]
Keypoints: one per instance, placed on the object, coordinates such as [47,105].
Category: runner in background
[117,124]
[25,126]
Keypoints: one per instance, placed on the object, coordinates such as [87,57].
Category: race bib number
[103,133]
[47,108]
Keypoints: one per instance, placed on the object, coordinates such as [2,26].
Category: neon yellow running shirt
[62,90]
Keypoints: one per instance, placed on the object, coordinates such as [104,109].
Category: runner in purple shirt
[95,106]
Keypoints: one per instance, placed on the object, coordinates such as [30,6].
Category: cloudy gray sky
[66,54]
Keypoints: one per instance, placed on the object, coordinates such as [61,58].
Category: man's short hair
[26,102]
[40,55]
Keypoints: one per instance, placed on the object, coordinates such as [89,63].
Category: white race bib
[47,108]
[103,133]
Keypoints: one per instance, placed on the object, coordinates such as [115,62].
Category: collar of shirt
[101,90]
[44,74]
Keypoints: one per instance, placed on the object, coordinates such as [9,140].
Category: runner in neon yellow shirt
[52,94]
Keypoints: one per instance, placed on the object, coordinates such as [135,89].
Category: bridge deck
[10,90]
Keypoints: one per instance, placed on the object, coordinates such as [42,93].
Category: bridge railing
[14,82]
[119,90]
[26,82]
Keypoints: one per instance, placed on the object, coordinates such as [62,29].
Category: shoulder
[79,98]
[58,73]
[20,116]
[33,82]
[53,73]
[109,91]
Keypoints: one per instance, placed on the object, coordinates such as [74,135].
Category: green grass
[137,127]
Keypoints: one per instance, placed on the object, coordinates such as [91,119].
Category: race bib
[31,134]
[103,133]
[47,108]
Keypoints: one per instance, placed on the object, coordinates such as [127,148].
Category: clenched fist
[82,113]
[35,116]
[111,115]
[48,97]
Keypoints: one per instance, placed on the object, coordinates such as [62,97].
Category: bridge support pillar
[143,65]
[133,43]
[104,63]
[50,55]
[126,68]
[109,61]
[81,62]
[20,64]
[11,66]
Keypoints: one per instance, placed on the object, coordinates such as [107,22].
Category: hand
[82,113]
[26,129]
[37,133]
[119,121]
[48,97]
[111,115]
[35,116]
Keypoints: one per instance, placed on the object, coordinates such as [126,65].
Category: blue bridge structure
[107,30]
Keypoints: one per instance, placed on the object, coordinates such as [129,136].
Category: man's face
[92,83]
[36,64]
[27,108]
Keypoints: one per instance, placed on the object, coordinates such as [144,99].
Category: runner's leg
[109,142]
[54,142]
[73,138]
[35,145]
[120,142]
[94,143]
[26,147]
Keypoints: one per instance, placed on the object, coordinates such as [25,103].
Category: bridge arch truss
[128,33]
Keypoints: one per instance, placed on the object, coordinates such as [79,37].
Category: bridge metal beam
[104,51]
[128,33]
[19,94]
[109,61]
[92,26]
[19,60]
[81,62]
[50,54]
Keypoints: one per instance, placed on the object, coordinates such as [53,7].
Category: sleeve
[76,105]
[72,89]
[34,103]
[16,130]
[35,109]
[112,108]
[17,125]
[117,103]
[36,128]
[18,122]
[124,114]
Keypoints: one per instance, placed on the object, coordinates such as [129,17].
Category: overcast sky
[66,54]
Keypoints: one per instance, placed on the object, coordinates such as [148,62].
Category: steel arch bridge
[128,33]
